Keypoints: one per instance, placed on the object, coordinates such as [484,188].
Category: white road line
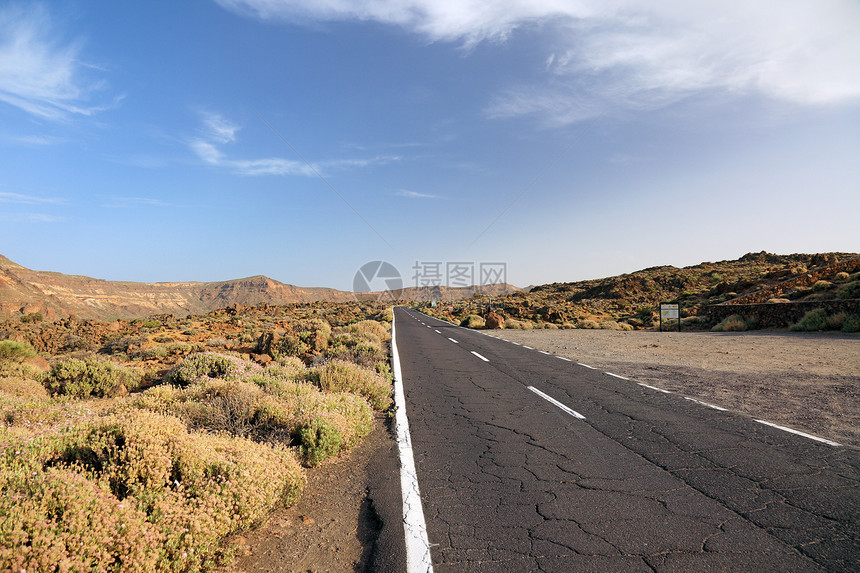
[552,400]
[705,404]
[654,388]
[517,343]
[437,332]
[586,365]
[481,357]
[799,433]
[417,544]
[565,359]
[544,352]
[617,376]
[529,347]
[454,341]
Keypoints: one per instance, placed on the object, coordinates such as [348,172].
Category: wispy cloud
[416,195]
[217,132]
[22,199]
[40,140]
[125,202]
[43,218]
[39,73]
[606,55]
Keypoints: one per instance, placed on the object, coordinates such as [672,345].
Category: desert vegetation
[142,445]
[630,301]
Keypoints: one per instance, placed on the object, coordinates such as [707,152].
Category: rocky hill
[633,297]
[25,292]
[54,295]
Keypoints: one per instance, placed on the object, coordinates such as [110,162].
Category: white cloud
[416,195]
[38,73]
[218,131]
[22,199]
[604,55]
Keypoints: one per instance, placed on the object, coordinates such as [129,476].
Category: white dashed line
[517,343]
[565,359]
[799,433]
[552,400]
[454,341]
[481,357]
[617,376]
[654,388]
[705,404]
[437,332]
[586,365]
[544,352]
[529,347]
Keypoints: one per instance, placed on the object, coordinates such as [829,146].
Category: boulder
[495,321]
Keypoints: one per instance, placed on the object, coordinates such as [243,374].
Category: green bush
[15,351]
[151,324]
[32,317]
[90,377]
[587,324]
[851,323]
[849,290]
[318,440]
[812,321]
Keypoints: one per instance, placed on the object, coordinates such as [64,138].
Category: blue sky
[569,139]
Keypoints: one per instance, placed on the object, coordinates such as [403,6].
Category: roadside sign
[668,312]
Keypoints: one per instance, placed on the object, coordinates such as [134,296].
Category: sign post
[669,311]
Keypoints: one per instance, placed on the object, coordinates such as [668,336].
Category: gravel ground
[809,382]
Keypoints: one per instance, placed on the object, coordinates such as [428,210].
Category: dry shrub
[91,376]
[851,323]
[587,323]
[473,321]
[550,326]
[513,324]
[340,376]
[777,300]
[22,387]
[822,285]
[608,325]
[836,321]
[209,365]
[137,492]
[625,326]
[733,323]
[841,276]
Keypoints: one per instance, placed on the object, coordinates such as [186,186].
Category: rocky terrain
[631,299]
[51,295]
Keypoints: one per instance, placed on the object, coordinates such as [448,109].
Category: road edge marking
[798,432]
[417,544]
[555,402]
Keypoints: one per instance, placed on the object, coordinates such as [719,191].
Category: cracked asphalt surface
[648,481]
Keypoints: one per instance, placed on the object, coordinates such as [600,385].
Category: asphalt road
[613,475]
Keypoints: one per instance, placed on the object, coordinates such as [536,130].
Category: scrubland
[143,445]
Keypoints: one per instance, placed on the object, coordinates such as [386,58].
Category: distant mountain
[24,291]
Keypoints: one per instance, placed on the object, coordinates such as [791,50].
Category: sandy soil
[331,528]
[809,382]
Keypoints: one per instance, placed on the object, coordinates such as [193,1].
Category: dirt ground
[810,382]
[806,381]
[331,528]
